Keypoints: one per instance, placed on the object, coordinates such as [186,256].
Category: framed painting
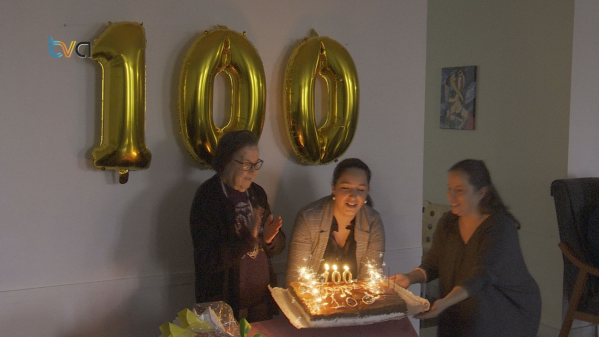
[458,98]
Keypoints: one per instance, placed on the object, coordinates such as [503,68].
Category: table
[281,327]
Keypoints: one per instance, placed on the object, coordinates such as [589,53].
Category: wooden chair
[581,279]
[575,201]
[431,213]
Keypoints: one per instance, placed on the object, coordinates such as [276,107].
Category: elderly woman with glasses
[234,234]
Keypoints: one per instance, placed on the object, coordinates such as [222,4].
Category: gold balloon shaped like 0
[120,50]
[324,57]
[215,51]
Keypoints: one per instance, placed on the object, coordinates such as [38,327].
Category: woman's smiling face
[350,191]
[461,195]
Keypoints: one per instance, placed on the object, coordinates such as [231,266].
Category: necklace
[222,184]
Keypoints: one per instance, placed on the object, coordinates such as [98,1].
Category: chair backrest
[431,213]
[575,200]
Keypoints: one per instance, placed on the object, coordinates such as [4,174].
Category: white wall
[523,50]
[81,255]
[583,146]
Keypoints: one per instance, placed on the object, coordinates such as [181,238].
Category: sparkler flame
[321,294]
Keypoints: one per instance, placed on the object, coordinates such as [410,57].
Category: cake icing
[359,300]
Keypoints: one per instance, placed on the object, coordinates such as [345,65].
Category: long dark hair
[479,177]
[350,163]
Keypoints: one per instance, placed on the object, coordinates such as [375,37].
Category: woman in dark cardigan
[234,235]
[485,287]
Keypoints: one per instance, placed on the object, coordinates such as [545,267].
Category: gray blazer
[311,235]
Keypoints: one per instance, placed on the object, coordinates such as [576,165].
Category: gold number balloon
[120,50]
[325,57]
[215,51]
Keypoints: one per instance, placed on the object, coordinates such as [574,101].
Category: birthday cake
[357,300]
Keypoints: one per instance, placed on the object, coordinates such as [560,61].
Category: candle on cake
[347,276]
[325,275]
[336,276]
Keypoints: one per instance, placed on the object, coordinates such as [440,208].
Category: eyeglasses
[247,165]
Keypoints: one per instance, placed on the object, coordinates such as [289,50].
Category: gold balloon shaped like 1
[120,50]
[324,57]
[215,51]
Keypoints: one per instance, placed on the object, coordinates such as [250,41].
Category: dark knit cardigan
[218,249]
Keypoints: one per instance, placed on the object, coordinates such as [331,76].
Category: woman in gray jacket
[340,229]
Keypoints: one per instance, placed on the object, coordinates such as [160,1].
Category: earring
[365,201]
[333,197]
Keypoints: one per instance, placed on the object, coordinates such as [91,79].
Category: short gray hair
[230,143]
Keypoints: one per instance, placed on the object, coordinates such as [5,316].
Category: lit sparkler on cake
[344,297]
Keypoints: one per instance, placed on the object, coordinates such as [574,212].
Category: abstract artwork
[458,98]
